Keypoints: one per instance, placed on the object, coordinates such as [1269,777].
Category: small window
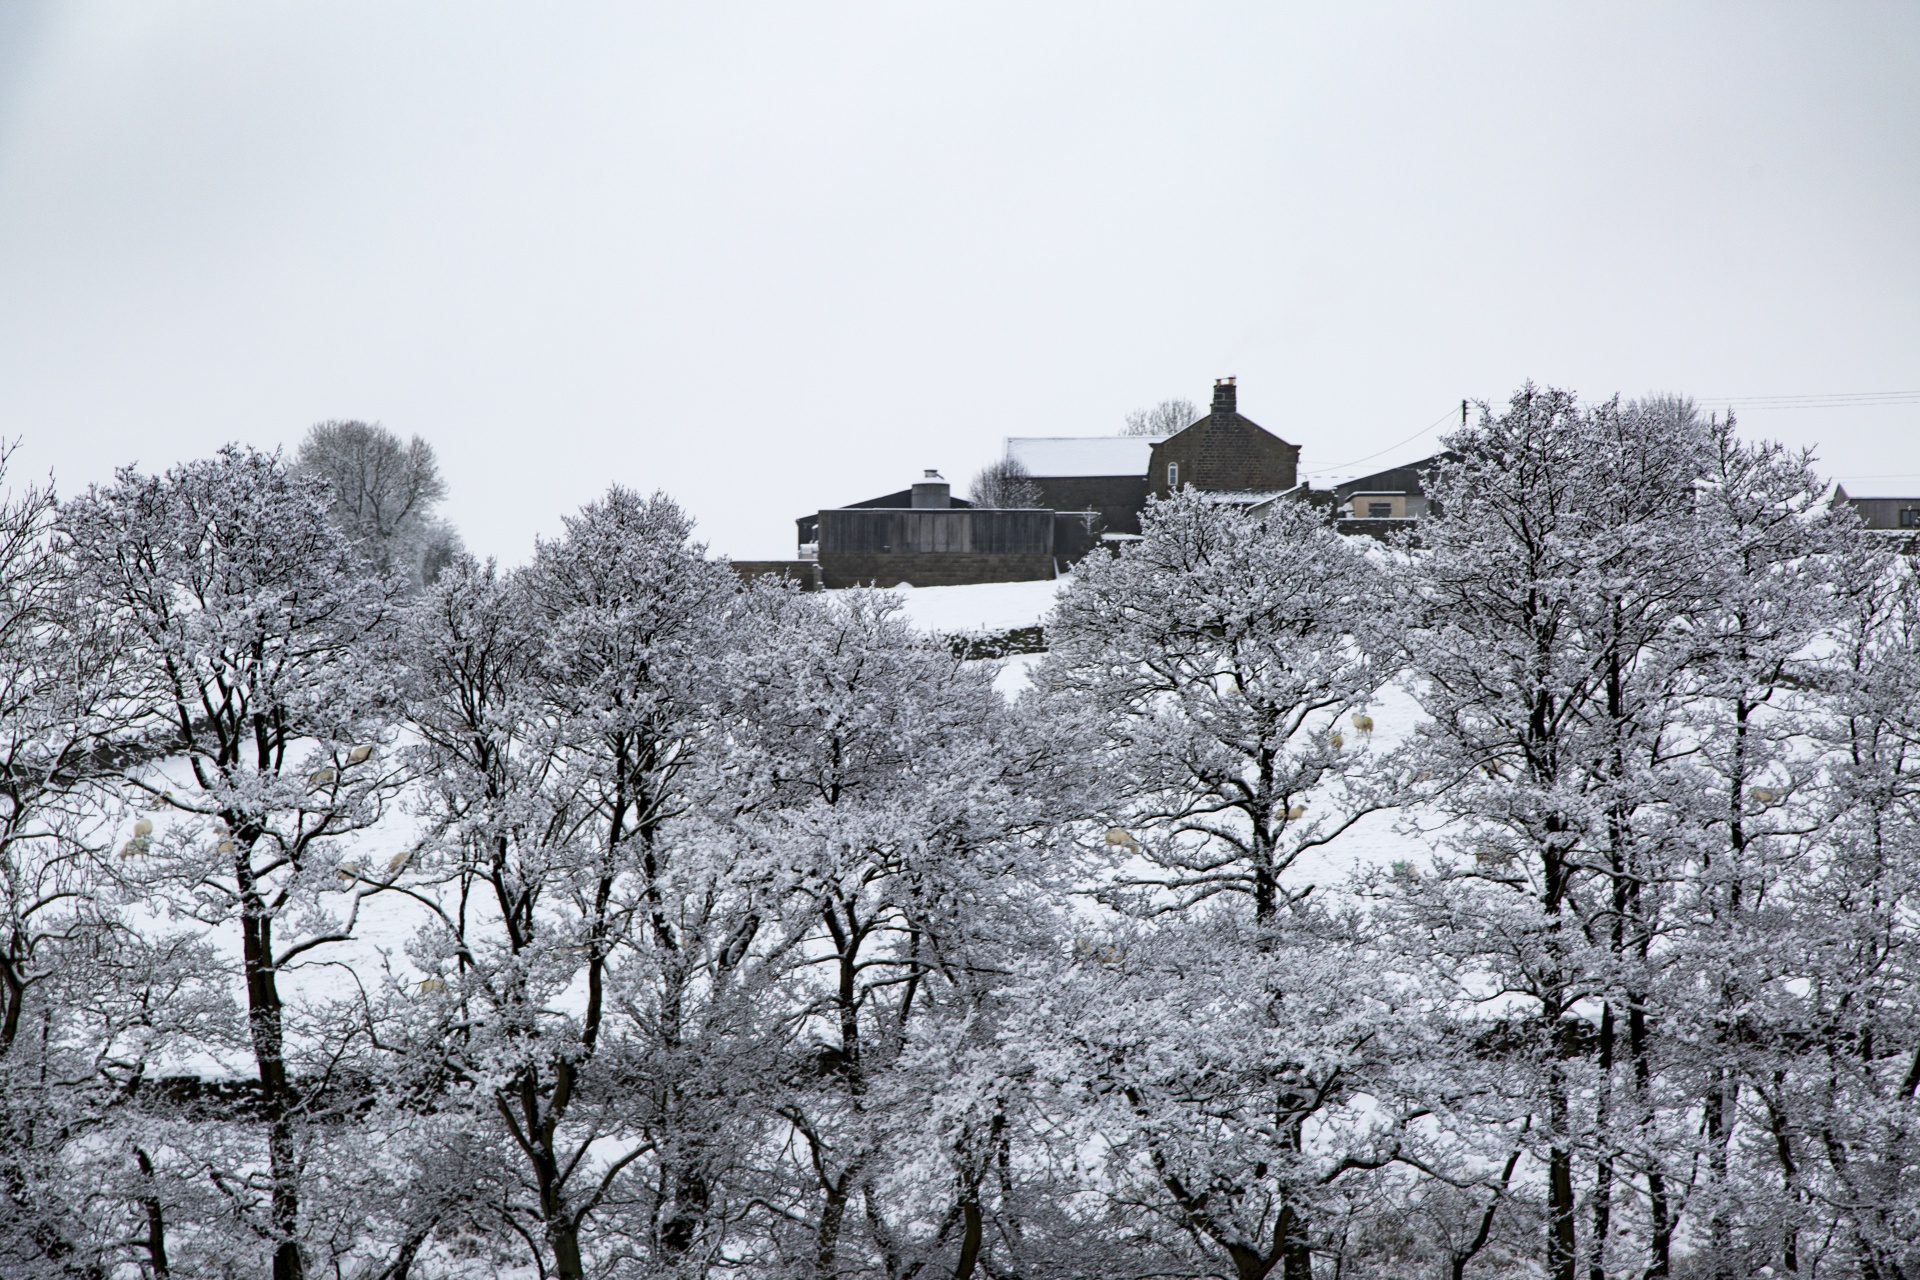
[1379,511]
[1173,475]
[1910,517]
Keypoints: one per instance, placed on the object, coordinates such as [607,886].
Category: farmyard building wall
[930,568]
[1118,499]
[931,547]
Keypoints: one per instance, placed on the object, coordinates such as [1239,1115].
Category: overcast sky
[776,257]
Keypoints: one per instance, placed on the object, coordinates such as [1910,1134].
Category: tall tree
[893,797]
[1227,662]
[86,1004]
[1164,419]
[1840,1104]
[1004,483]
[561,712]
[382,495]
[258,659]
[1550,611]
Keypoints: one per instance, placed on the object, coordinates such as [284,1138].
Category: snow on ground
[1016,673]
[985,606]
[1379,839]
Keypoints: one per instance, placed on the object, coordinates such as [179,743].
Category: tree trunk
[267,1035]
[156,1241]
[1720,1102]
[1603,1166]
[564,1238]
[1562,1262]
[827,1237]
[1789,1177]
[970,1239]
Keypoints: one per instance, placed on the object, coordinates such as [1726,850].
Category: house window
[1379,511]
[1910,517]
[1173,475]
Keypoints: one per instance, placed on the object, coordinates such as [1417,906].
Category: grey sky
[774,257]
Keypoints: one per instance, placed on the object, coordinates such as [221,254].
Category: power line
[1339,466]
[1833,400]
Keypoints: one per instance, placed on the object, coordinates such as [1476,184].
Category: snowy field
[987,606]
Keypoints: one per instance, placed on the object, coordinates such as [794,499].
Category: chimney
[1223,397]
[931,491]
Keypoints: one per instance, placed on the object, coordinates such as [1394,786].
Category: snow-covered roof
[1083,455]
[1241,497]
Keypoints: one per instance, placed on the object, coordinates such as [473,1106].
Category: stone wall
[1118,499]
[1224,451]
[929,568]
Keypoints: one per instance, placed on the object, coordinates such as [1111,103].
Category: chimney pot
[932,491]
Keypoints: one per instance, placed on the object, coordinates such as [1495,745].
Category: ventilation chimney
[1223,397]
[932,491]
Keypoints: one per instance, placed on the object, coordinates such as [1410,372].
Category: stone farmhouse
[1092,490]
[1881,508]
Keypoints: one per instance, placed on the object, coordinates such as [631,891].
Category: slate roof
[1878,491]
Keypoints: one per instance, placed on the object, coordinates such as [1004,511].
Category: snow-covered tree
[1832,1040]
[1226,663]
[87,1005]
[898,808]
[257,664]
[1549,611]
[587,938]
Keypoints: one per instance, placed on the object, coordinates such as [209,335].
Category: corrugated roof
[1083,455]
